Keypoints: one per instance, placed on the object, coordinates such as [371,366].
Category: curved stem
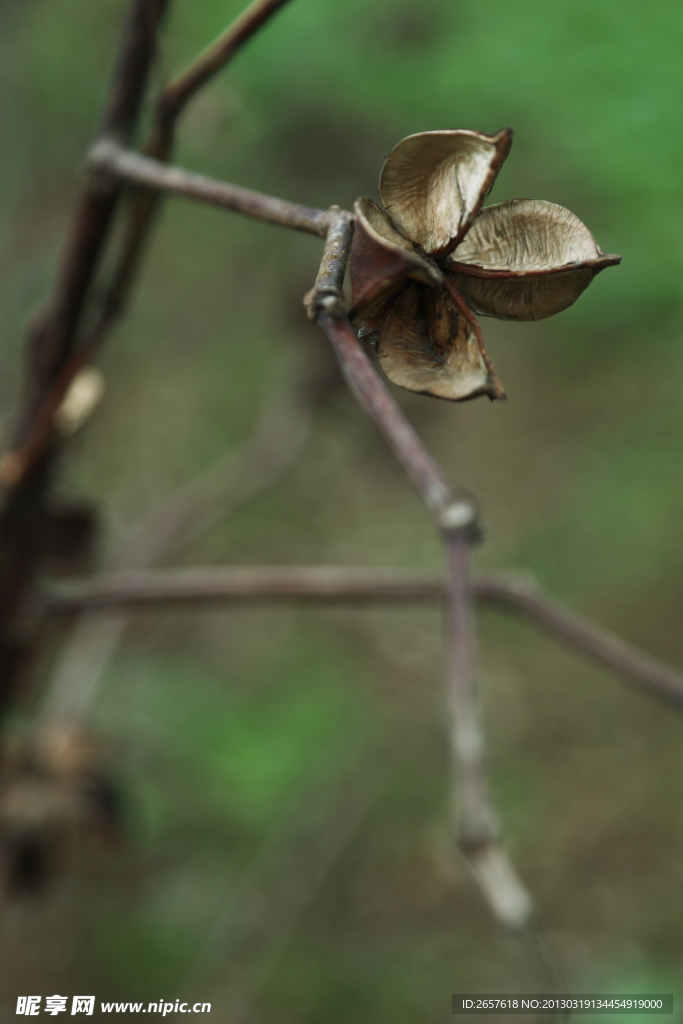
[180,91]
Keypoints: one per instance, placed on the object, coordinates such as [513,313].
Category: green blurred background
[286,771]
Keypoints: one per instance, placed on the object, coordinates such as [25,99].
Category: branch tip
[505,894]
[213,59]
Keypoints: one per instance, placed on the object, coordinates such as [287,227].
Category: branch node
[477,829]
[326,297]
[460,517]
[327,300]
[96,170]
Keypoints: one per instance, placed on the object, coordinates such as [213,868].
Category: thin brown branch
[451,509]
[109,158]
[456,516]
[53,334]
[177,94]
[142,206]
[329,282]
[397,431]
[523,595]
[203,586]
[478,829]
[20,459]
[335,585]
[144,203]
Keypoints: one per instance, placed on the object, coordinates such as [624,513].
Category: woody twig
[344,586]
[456,516]
[52,341]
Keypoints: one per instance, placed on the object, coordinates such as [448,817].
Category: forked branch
[342,586]
[180,91]
[451,509]
[52,341]
[81,262]
[456,516]
[107,158]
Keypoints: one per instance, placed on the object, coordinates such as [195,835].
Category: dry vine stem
[53,342]
[61,341]
[199,587]
[456,516]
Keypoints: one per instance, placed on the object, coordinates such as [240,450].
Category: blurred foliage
[238,733]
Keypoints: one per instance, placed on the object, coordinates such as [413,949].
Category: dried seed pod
[432,258]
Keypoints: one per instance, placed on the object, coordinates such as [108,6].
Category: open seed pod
[432,258]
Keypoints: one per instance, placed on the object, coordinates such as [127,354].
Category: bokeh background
[288,852]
